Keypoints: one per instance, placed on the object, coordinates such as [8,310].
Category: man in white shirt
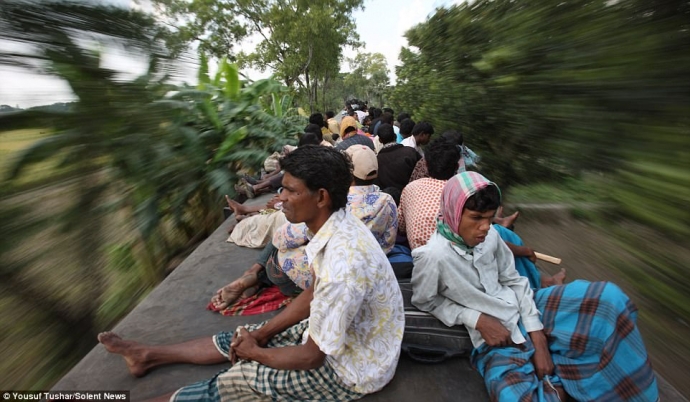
[335,341]
[421,135]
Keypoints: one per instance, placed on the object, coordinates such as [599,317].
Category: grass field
[12,144]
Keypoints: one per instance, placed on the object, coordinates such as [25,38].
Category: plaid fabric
[266,300]
[594,342]
[251,381]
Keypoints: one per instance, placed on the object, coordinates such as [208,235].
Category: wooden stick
[547,258]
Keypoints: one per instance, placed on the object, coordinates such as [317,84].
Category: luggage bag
[428,340]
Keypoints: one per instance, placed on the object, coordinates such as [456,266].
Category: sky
[381,26]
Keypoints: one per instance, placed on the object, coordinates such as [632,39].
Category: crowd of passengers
[363,201]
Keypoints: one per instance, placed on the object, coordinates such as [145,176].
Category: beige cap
[364,160]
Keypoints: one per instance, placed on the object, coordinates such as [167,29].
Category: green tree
[368,76]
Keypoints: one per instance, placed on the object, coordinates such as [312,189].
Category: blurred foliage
[546,90]
[143,169]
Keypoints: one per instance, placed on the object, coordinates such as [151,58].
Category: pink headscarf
[456,192]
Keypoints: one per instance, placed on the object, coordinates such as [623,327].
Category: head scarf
[455,193]
[347,121]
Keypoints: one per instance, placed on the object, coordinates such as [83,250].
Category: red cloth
[266,300]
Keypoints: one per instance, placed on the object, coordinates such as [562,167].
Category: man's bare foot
[232,292]
[508,221]
[559,278]
[236,207]
[133,353]
[556,280]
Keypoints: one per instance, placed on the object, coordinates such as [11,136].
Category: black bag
[428,340]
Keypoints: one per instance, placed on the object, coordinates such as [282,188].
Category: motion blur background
[575,106]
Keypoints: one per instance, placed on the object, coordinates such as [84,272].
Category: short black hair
[423,127]
[330,114]
[362,182]
[317,118]
[313,128]
[388,110]
[453,136]
[309,138]
[349,129]
[402,116]
[406,127]
[386,133]
[441,158]
[321,167]
[486,199]
[387,118]
[375,113]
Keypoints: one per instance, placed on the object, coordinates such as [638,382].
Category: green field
[12,145]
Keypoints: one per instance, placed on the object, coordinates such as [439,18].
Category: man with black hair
[419,200]
[578,340]
[406,127]
[308,351]
[315,129]
[396,161]
[317,118]
[421,134]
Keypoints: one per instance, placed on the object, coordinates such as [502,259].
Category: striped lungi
[251,381]
[596,347]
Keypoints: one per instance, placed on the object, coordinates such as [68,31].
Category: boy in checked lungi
[338,340]
[578,340]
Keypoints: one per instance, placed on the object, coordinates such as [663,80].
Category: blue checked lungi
[595,344]
[251,381]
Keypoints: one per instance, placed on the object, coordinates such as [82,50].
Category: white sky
[380,26]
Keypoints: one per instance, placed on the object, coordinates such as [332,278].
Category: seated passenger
[578,340]
[419,207]
[351,135]
[335,341]
[396,161]
[283,262]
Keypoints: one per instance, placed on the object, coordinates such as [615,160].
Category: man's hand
[493,332]
[272,202]
[530,255]
[242,346]
[543,363]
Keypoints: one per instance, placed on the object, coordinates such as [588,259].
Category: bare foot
[133,353]
[556,280]
[236,207]
[508,221]
[499,212]
[230,293]
[559,278]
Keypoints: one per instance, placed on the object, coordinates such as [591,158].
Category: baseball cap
[366,165]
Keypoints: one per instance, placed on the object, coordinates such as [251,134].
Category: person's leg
[240,209]
[509,374]
[141,358]
[292,385]
[507,221]
[523,265]
[231,292]
[593,322]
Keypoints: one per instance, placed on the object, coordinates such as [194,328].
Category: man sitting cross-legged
[353,311]
[283,261]
[579,340]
